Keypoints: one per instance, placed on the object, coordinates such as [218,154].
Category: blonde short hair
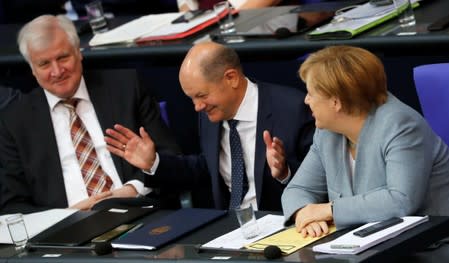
[354,75]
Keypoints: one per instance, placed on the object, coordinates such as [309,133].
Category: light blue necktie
[239,181]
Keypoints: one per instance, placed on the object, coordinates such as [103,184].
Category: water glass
[223,10]
[247,221]
[97,20]
[405,13]
[17,230]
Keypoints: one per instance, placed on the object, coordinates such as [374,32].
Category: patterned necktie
[239,181]
[94,177]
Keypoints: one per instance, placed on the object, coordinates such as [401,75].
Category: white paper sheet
[268,225]
[362,243]
[35,222]
[148,26]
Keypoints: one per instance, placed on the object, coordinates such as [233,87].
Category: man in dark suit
[211,75]
[39,161]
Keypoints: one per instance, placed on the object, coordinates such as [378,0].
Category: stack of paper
[357,20]
[352,244]
[155,27]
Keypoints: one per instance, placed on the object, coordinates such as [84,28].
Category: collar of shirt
[81,93]
[248,108]
[247,116]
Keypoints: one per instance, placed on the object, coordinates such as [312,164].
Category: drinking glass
[97,20]
[17,230]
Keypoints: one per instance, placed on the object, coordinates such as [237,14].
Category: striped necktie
[94,177]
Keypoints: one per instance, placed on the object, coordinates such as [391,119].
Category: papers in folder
[352,244]
[355,21]
[154,27]
[234,240]
[288,240]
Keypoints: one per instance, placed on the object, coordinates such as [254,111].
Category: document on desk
[352,244]
[355,21]
[35,222]
[288,240]
[268,225]
[153,27]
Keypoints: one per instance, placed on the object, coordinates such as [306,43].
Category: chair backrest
[432,86]
[164,113]
[185,198]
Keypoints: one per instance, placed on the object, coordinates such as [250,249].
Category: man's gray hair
[39,32]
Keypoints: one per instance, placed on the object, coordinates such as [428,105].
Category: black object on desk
[284,25]
[188,16]
[439,24]
[378,227]
[82,231]
[100,248]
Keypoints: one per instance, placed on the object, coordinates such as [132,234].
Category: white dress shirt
[247,126]
[73,180]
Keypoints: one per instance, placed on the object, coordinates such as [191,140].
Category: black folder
[81,227]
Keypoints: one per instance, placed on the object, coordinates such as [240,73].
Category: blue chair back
[164,113]
[432,86]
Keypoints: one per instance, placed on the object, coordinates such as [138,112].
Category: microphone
[100,248]
[282,32]
[272,252]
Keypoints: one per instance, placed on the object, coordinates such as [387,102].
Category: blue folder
[172,226]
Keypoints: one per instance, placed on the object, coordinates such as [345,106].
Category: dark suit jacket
[281,111]
[32,177]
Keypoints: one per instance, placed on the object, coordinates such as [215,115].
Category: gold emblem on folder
[159,230]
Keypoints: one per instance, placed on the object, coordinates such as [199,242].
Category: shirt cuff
[286,179]
[140,188]
[153,168]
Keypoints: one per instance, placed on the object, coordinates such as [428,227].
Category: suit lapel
[345,172]
[40,120]
[210,136]
[264,122]
[100,96]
